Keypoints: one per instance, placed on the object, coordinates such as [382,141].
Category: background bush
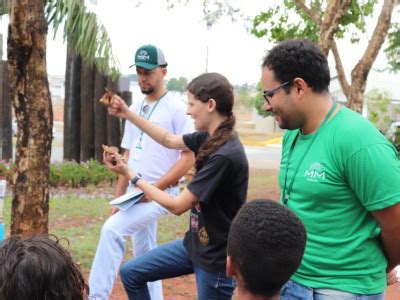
[70,174]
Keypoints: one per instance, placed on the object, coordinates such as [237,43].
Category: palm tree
[29,91]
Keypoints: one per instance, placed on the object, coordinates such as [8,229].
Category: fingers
[391,277]
[112,161]
[113,210]
[144,199]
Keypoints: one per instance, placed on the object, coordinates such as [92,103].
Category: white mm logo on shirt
[315,172]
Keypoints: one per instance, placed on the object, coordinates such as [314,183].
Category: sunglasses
[268,94]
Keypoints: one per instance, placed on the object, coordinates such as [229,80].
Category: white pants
[139,222]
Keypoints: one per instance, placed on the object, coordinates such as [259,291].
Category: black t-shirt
[221,186]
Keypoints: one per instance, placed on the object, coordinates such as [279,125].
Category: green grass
[79,219]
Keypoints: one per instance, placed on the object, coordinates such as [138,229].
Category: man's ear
[300,86]
[164,71]
[231,268]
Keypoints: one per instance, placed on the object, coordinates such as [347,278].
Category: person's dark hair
[266,242]
[38,267]
[217,87]
[299,58]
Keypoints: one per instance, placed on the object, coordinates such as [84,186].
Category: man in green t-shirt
[338,174]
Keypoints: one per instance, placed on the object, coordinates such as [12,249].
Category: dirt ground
[184,288]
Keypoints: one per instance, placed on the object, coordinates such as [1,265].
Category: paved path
[267,157]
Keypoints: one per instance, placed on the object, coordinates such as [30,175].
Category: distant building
[57,87]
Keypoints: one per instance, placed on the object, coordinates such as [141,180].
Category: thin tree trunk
[100,115]
[72,109]
[5,114]
[5,110]
[32,104]
[87,112]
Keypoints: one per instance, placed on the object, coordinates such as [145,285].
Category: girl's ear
[212,105]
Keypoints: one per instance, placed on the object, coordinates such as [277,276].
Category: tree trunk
[5,110]
[72,109]
[333,15]
[100,115]
[87,112]
[360,72]
[30,95]
[5,114]
[113,123]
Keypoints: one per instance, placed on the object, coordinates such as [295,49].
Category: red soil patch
[184,288]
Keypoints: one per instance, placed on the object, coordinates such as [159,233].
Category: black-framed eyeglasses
[268,94]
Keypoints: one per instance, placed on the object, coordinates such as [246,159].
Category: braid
[224,131]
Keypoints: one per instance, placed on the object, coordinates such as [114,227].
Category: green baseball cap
[149,57]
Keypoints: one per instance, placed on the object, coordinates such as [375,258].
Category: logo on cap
[143,55]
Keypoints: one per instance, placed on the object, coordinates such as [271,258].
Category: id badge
[136,154]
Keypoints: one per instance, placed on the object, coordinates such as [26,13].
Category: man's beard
[148,91]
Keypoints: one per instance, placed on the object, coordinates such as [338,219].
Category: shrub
[395,139]
[6,169]
[72,174]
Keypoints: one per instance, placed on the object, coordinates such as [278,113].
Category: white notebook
[127,200]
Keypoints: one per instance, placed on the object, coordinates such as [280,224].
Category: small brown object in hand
[111,150]
[107,98]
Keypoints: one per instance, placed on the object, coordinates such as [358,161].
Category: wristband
[136,178]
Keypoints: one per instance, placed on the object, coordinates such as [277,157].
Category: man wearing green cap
[161,166]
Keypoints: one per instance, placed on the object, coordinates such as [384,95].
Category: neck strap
[288,189]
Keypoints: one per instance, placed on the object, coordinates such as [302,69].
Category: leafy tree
[178,85]
[378,109]
[395,140]
[259,102]
[393,49]
[325,22]
[84,33]
[245,95]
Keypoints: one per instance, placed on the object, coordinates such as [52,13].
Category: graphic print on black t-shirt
[194,218]
[197,225]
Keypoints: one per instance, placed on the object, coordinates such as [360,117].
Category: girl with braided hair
[214,196]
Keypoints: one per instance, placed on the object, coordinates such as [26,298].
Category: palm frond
[3,7]
[84,33]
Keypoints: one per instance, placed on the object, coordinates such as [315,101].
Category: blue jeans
[167,261]
[292,290]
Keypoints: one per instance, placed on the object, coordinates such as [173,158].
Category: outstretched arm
[176,205]
[160,135]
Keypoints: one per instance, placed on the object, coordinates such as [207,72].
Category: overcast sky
[184,38]
[182,35]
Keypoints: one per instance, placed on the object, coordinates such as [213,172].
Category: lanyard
[148,118]
[288,190]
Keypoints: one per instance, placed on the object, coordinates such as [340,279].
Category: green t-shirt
[350,170]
